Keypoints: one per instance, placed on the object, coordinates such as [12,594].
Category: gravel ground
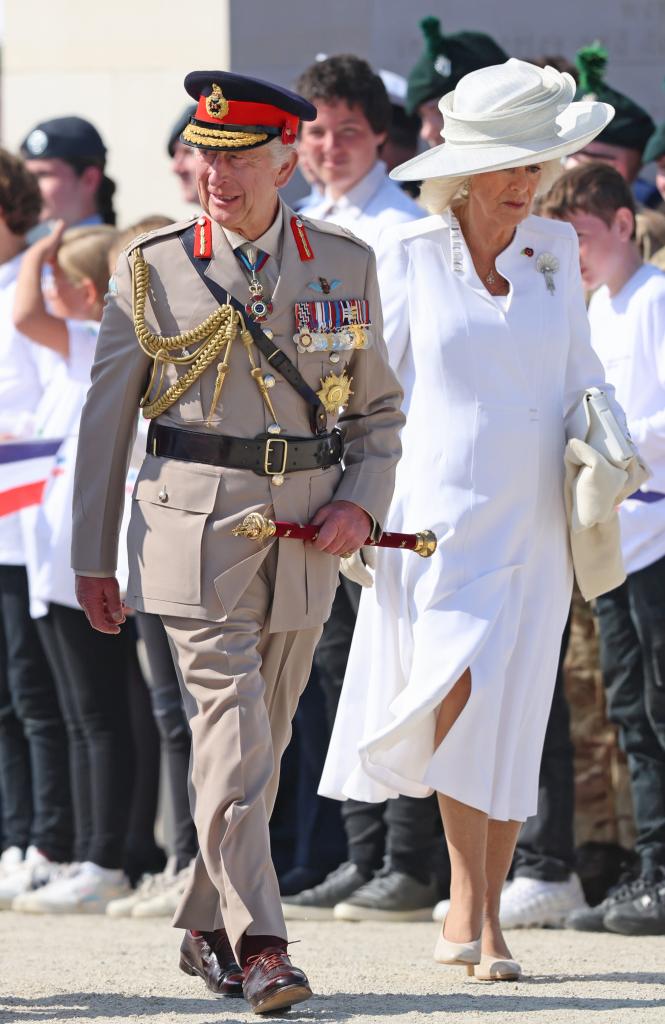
[57,970]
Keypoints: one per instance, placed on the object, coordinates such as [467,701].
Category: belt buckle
[268,453]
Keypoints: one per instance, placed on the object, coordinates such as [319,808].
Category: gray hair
[440,194]
[280,153]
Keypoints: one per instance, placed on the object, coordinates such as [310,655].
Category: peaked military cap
[447,59]
[236,112]
[64,138]
[631,126]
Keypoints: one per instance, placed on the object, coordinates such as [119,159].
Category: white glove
[359,566]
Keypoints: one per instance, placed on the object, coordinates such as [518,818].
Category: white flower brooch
[547,265]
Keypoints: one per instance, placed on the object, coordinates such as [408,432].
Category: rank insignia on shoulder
[332,325]
[302,241]
[203,239]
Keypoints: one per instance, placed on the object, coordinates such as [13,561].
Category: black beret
[65,138]
[179,127]
[631,126]
[655,147]
[446,59]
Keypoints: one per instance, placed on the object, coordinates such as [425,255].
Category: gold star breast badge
[335,392]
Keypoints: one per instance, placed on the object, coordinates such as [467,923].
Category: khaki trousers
[241,686]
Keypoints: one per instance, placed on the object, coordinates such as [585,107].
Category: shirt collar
[359,195]
[270,241]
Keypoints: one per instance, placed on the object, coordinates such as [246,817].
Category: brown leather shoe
[210,957]
[273,983]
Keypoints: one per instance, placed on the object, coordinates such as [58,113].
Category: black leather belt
[265,455]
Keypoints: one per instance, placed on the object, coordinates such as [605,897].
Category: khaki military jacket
[183,559]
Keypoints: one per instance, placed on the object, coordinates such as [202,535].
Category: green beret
[631,126]
[655,146]
[447,59]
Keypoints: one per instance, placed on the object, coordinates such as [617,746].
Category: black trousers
[632,647]
[174,732]
[546,848]
[406,833]
[92,672]
[34,777]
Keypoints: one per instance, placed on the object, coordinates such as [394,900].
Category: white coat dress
[489,383]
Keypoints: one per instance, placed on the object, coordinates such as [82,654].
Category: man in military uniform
[258,386]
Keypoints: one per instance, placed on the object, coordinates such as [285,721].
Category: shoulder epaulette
[169,230]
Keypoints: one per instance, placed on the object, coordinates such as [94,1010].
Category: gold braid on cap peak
[214,138]
[217,332]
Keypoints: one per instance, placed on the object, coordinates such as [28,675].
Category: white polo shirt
[628,334]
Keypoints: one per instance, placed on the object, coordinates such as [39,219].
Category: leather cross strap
[276,357]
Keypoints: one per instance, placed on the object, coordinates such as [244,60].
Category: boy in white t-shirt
[627,316]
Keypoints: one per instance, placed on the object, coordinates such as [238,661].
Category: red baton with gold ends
[257,527]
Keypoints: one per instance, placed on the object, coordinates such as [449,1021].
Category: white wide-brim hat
[508,115]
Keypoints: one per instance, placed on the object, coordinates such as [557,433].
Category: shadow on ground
[340,1006]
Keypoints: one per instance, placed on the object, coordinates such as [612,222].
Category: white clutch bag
[594,422]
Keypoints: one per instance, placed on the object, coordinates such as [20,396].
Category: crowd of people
[90,721]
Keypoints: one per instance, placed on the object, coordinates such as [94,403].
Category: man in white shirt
[627,316]
[341,148]
[34,774]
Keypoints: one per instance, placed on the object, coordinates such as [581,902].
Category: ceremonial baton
[258,527]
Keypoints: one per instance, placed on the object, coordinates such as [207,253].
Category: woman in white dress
[452,668]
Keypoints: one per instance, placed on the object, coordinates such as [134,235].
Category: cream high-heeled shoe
[464,954]
[494,969]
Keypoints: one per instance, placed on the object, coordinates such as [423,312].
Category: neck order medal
[259,307]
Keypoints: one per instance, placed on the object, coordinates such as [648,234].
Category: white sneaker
[149,886]
[441,910]
[25,900]
[11,859]
[32,872]
[88,890]
[164,901]
[533,903]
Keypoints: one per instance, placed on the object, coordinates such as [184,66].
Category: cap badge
[442,66]
[335,392]
[36,142]
[216,103]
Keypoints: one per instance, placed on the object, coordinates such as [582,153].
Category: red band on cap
[302,241]
[261,115]
[203,239]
